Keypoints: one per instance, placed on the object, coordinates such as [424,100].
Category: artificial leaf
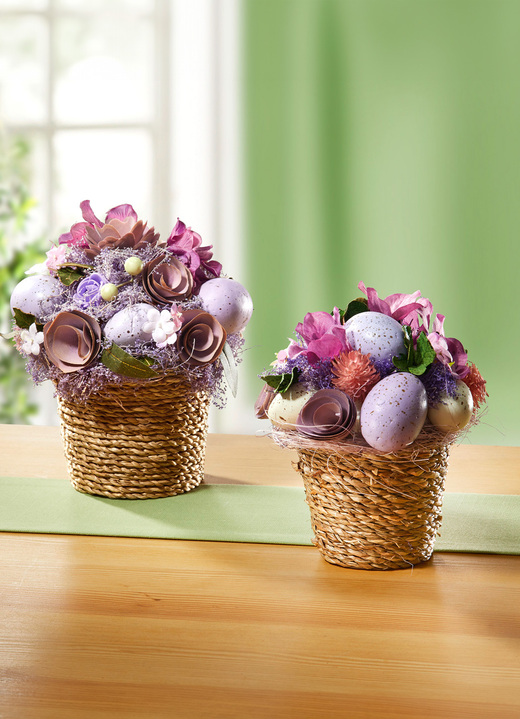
[69,273]
[282,382]
[354,308]
[418,356]
[229,366]
[24,320]
[120,362]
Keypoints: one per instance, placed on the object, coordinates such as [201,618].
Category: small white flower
[31,340]
[162,327]
[39,269]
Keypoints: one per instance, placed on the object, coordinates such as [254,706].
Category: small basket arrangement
[371,398]
[138,335]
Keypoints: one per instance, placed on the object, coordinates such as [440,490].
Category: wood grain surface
[116,627]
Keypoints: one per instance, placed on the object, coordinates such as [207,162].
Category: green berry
[133,265]
[108,291]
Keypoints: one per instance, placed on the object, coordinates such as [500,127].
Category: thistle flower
[354,374]
[476,384]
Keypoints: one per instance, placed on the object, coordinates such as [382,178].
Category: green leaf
[24,320]
[282,382]
[69,273]
[418,357]
[354,308]
[120,362]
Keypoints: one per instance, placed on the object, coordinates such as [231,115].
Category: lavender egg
[228,301]
[375,334]
[394,412]
[36,295]
[125,328]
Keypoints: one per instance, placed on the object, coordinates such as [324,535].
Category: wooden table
[115,627]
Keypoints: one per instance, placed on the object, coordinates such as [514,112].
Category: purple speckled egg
[125,328]
[375,334]
[394,412]
[36,295]
[228,301]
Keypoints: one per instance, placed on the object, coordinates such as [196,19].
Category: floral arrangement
[380,374]
[113,302]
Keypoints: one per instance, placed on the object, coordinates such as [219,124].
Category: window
[130,101]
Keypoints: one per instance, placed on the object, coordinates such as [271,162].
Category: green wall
[383,144]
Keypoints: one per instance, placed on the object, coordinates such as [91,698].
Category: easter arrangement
[371,398]
[138,335]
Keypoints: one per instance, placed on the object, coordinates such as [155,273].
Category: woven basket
[137,440]
[375,511]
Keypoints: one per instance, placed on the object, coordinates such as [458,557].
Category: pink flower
[323,335]
[185,244]
[406,309]
[56,257]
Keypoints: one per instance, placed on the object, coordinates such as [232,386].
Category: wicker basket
[375,511]
[137,440]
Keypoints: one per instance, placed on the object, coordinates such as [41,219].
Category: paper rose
[72,340]
[166,281]
[201,339]
[328,414]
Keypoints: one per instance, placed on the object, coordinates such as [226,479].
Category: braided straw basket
[137,440]
[371,510]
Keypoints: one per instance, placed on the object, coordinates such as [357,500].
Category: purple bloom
[88,290]
[186,244]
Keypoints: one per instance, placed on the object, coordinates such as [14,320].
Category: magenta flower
[186,244]
[459,357]
[406,309]
[323,336]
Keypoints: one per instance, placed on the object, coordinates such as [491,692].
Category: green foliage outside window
[17,253]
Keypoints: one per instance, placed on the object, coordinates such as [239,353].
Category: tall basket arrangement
[138,335]
[371,398]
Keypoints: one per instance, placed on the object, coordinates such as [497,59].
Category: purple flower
[88,290]
[323,336]
[459,357]
[185,244]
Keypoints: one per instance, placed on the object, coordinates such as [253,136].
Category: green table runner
[234,513]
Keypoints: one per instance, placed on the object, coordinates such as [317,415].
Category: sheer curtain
[383,144]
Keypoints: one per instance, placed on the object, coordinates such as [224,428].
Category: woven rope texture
[137,440]
[373,511]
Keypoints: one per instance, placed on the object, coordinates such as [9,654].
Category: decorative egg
[285,408]
[453,413]
[36,295]
[394,412]
[228,301]
[376,334]
[125,328]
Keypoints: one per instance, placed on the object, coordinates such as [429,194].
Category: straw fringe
[137,440]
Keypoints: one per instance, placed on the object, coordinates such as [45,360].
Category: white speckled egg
[375,334]
[394,412]
[125,328]
[228,301]
[36,295]
[453,413]
[285,408]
